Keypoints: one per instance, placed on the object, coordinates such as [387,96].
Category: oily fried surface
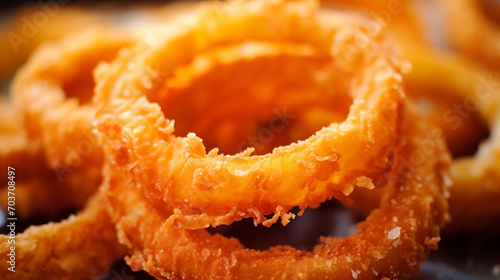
[454,92]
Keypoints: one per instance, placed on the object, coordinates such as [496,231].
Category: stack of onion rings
[294,71]
[182,188]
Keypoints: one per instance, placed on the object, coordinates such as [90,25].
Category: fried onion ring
[31,26]
[457,95]
[84,245]
[392,242]
[398,234]
[56,134]
[40,194]
[210,189]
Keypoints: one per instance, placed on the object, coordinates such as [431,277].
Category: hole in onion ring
[303,233]
[268,121]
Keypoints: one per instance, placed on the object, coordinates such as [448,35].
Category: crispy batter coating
[208,188]
[80,247]
[392,242]
[455,93]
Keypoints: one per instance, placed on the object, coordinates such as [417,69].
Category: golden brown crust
[392,242]
[186,180]
[480,38]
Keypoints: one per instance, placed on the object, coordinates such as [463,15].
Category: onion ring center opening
[290,99]
[303,233]
[232,114]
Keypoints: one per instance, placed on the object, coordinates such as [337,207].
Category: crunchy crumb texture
[161,122]
[165,189]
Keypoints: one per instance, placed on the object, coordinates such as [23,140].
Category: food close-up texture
[250,139]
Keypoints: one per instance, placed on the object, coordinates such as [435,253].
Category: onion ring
[39,191]
[476,91]
[187,180]
[55,250]
[57,133]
